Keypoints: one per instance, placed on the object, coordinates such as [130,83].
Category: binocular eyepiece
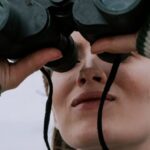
[27,26]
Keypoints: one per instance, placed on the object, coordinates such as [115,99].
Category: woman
[126,123]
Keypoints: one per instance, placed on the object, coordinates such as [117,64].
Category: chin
[86,144]
[83,138]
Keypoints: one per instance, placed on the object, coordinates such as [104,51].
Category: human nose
[88,75]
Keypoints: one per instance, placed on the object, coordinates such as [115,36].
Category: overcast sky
[21,116]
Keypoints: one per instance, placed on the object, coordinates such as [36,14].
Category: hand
[115,44]
[12,74]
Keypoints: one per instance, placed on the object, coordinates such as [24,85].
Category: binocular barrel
[27,26]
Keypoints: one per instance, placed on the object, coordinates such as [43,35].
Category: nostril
[97,79]
[82,81]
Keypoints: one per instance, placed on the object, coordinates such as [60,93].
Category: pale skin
[12,74]
[126,122]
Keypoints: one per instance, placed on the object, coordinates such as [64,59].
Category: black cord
[47,108]
[109,82]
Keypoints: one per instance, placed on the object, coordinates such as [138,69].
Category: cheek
[61,90]
[62,85]
[128,121]
[134,79]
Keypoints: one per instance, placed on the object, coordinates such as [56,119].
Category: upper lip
[90,96]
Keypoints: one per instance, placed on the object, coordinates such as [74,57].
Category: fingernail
[96,51]
[55,55]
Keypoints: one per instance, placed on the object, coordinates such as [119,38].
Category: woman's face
[126,121]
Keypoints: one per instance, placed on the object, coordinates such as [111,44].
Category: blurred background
[21,115]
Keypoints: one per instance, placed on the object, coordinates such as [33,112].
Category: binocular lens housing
[4,11]
[101,18]
[27,26]
[118,5]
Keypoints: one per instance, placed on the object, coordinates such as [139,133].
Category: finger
[23,68]
[115,44]
[4,73]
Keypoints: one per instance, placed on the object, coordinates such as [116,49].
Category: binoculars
[27,26]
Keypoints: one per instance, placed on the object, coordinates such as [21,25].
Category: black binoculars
[27,26]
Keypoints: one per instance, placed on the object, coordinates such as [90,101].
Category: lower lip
[90,105]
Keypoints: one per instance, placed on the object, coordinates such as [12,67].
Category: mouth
[90,97]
